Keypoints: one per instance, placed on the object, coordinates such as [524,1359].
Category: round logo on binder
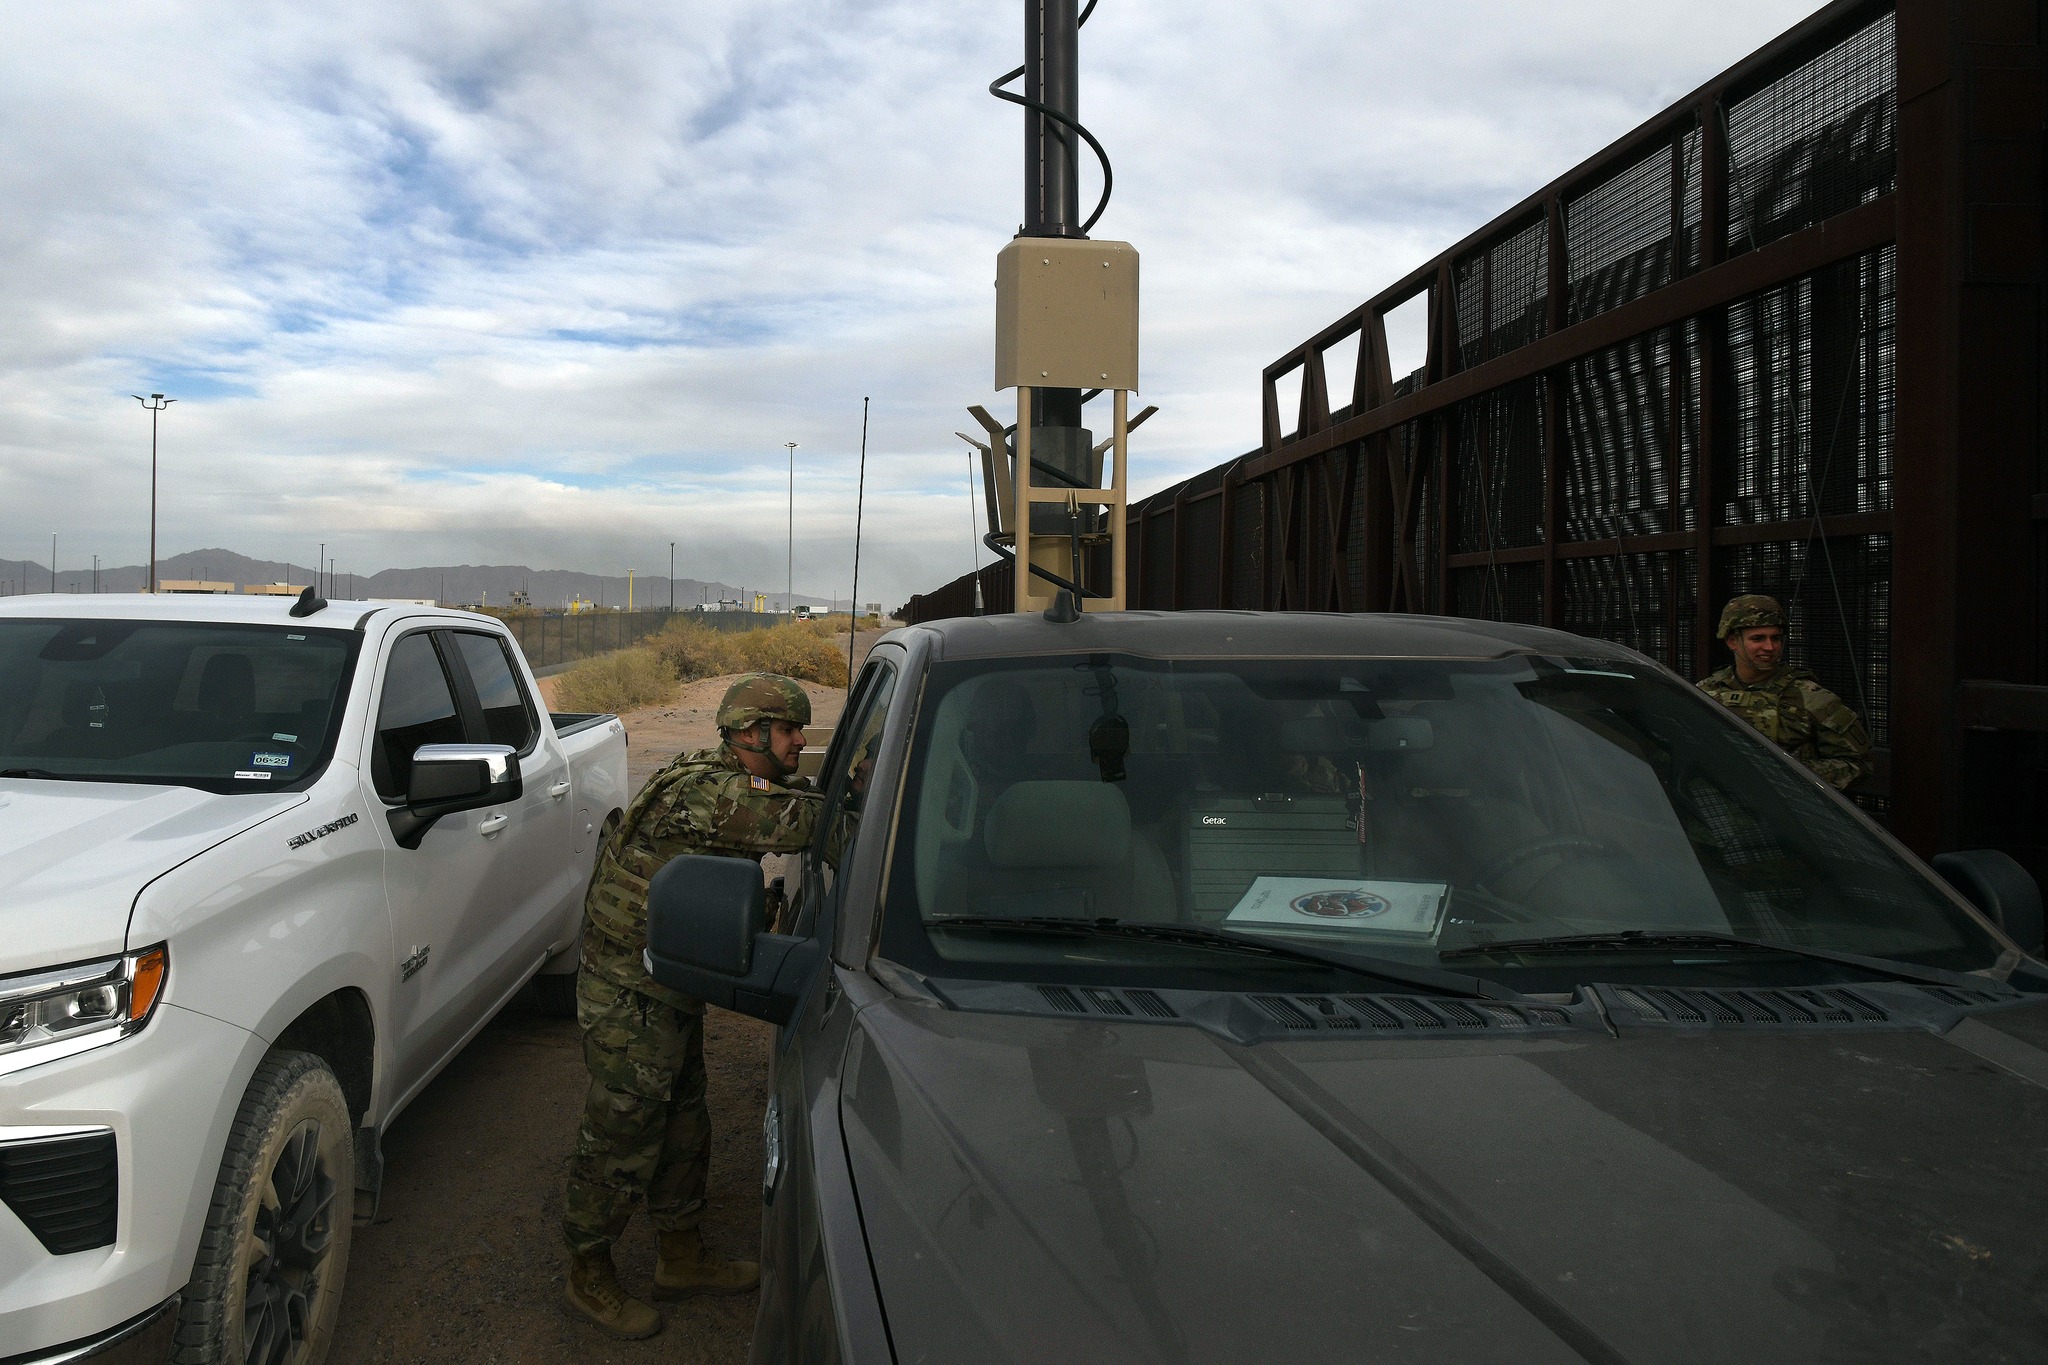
[1341,904]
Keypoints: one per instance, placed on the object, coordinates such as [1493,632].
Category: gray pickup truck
[1220,986]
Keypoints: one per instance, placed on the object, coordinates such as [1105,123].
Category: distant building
[193,585]
[270,589]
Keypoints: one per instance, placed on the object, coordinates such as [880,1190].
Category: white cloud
[546,282]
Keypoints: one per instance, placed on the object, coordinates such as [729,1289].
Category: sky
[553,283]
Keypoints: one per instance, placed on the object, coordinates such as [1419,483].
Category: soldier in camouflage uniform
[1783,700]
[646,1133]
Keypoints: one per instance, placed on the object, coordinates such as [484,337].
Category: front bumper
[145,1340]
[168,1095]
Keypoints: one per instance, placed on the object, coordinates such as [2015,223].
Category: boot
[684,1266]
[595,1293]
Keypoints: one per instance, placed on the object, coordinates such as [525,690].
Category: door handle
[559,790]
[491,824]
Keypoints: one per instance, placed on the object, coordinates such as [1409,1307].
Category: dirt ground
[464,1265]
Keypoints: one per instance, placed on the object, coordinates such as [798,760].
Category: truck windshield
[228,708]
[1411,811]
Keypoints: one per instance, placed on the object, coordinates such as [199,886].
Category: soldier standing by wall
[646,1133]
[1785,701]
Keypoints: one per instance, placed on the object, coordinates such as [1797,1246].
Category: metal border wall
[1783,337]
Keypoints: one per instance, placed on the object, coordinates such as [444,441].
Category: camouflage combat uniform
[1795,712]
[1789,706]
[646,1132]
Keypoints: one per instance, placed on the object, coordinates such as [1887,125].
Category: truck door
[430,887]
[533,884]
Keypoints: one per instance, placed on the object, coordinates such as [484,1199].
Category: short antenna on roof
[309,602]
[1064,610]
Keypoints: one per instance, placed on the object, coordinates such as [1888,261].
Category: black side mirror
[706,937]
[447,778]
[1995,883]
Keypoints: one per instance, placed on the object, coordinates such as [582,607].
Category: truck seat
[1058,849]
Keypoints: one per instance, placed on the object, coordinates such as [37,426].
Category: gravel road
[464,1265]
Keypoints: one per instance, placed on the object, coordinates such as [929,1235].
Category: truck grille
[65,1189]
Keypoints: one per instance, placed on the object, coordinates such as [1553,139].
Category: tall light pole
[671,578]
[156,403]
[789,585]
[318,565]
[53,561]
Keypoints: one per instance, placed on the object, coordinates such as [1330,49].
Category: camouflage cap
[756,697]
[1751,611]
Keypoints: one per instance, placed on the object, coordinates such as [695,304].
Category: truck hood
[1038,1189]
[73,855]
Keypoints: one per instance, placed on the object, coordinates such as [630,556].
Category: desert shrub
[795,649]
[624,680]
[691,650]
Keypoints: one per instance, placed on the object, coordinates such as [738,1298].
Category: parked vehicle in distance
[269,866]
[1232,986]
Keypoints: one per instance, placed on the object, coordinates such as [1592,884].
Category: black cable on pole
[860,500]
[995,87]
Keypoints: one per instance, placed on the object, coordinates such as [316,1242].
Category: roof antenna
[309,602]
[1064,610]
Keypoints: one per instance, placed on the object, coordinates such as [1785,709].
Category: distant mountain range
[453,584]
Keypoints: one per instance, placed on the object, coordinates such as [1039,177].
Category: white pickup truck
[265,866]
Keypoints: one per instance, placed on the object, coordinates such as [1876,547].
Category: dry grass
[628,679]
[624,680]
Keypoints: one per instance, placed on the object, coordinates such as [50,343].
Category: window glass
[222,707]
[507,717]
[845,783]
[1413,809]
[418,708]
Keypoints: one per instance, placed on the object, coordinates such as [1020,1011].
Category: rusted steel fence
[1784,337]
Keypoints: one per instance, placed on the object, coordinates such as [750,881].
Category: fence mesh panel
[1158,560]
[1631,232]
[1814,371]
[1198,554]
[1499,592]
[1817,140]
[1248,547]
[1499,469]
[1631,438]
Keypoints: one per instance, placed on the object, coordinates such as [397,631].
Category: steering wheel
[1536,848]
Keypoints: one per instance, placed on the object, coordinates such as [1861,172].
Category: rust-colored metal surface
[1785,337]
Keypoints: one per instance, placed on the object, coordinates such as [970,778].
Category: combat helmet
[1750,611]
[755,697]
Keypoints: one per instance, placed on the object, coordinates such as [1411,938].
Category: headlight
[70,1009]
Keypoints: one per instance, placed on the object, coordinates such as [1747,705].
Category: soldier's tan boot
[684,1266]
[594,1292]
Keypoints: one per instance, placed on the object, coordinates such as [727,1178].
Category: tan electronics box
[1067,314]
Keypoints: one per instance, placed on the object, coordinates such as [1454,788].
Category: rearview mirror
[1995,883]
[706,937]
[447,778]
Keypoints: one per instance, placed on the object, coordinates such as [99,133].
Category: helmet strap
[759,746]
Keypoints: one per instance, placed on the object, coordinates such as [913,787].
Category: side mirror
[706,937]
[447,778]
[2006,892]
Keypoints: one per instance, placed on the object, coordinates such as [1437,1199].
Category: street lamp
[789,585]
[156,403]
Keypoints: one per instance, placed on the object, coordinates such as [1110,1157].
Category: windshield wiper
[1401,973]
[1654,940]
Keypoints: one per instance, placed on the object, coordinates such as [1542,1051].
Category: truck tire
[266,1287]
